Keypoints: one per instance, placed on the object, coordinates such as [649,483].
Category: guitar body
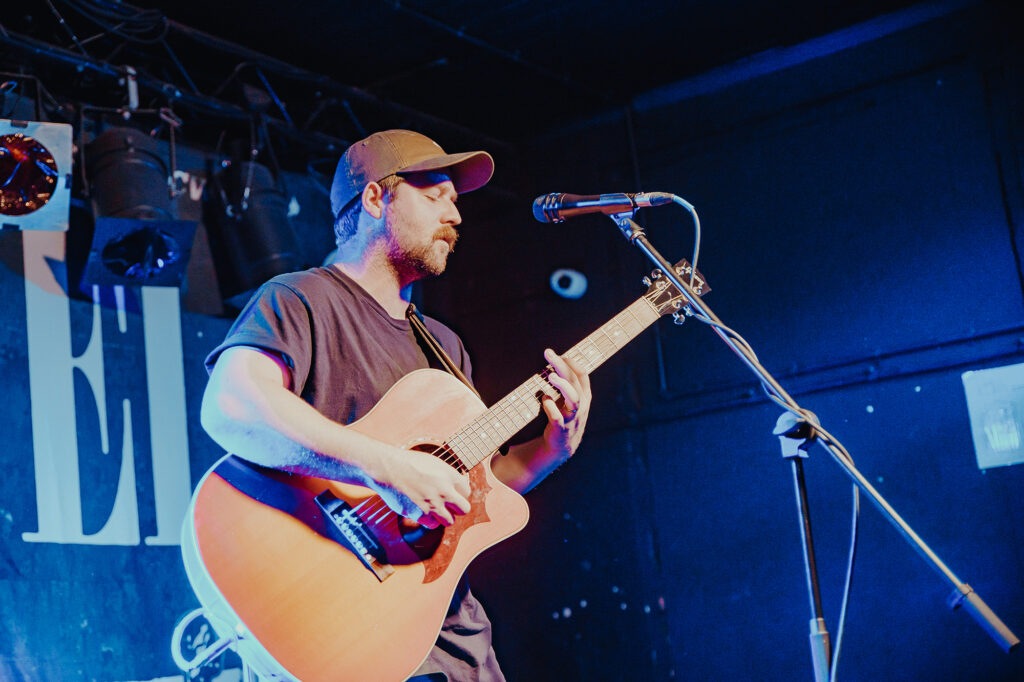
[308,606]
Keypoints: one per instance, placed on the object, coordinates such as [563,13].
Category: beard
[427,259]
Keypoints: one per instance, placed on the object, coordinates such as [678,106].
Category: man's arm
[527,464]
[249,410]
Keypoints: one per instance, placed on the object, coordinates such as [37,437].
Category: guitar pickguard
[438,563]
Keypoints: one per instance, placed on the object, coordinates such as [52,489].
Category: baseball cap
[403,151]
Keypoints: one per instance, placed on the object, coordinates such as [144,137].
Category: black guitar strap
[432,347]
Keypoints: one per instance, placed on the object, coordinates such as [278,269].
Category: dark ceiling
[511,68]
[508,70]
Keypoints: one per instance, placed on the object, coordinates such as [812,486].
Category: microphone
[556,207]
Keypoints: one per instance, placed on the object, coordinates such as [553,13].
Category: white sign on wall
[55,417]
[995,402]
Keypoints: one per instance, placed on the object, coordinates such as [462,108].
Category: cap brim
[469,170]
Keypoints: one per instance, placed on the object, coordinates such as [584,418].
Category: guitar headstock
[665,297]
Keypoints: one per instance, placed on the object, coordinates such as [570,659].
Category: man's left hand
[567,417]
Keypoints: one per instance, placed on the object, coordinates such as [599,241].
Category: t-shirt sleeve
[276,320]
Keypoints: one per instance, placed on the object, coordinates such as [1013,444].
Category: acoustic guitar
[320,580]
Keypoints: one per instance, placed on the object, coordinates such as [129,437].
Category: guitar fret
[504,424]
[609,339]
[458,445]
[486,433]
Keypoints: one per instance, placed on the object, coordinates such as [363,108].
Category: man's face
[420,221]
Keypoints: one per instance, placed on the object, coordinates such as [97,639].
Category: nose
[451,215]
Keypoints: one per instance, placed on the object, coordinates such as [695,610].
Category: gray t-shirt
[344,352]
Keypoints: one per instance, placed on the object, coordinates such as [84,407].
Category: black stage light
[35,175]
[135,241]
[127,176]
[251,235]
[131,252]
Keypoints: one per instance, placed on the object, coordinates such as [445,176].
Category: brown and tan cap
[403,151]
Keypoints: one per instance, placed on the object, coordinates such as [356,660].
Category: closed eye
[441,197]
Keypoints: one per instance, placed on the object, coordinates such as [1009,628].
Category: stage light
[567,283]
[35,175]
[251,235]
[139,252]
[127,176]
[135,241]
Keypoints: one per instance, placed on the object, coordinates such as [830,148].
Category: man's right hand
[248,409]
[421,487]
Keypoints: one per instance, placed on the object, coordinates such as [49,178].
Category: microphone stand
[802,425]
[795,437]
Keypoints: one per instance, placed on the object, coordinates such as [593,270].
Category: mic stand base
[821,654]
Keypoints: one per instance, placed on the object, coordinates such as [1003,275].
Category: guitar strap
[432,347]
[429,343]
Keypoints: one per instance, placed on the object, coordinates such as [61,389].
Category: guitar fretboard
[485,434]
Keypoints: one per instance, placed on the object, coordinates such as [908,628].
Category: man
[314,351]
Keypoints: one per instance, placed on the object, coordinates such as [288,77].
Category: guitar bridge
[349,530]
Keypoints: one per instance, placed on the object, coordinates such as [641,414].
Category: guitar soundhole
[444,453]
[423,541]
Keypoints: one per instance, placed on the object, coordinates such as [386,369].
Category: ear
[373,199]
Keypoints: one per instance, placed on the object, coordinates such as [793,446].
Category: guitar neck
[485,434]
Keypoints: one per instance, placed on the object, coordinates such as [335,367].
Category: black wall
[861,225]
